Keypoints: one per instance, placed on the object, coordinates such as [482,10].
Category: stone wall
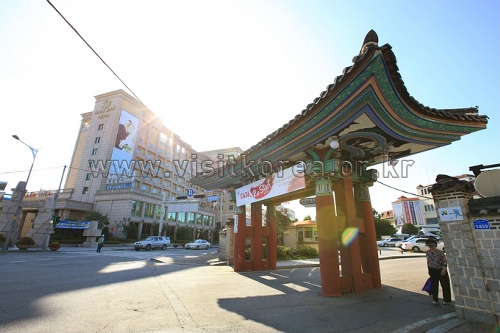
[226,244]
[473,254]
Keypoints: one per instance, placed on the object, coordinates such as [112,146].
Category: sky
[224,73]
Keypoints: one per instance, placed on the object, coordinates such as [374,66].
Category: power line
[397,189]
[96,53]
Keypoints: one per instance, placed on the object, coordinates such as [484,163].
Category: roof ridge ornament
[371,39]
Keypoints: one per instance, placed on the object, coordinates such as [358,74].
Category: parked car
[398,244]
[418,244]
[197,244]
[152,242]
[388,241]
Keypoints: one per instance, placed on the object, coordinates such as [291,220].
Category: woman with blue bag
[436,265]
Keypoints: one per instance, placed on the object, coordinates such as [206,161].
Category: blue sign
[481,225]
[190,192]
[65,224]
[213,198]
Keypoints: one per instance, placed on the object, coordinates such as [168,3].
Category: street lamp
[33,151]
[17,217]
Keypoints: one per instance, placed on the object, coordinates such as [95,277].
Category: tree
[409,229]
[281,222]
[382,226]
[307,218]
[102,220]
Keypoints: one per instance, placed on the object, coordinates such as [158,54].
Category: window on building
[158,211]
[89,176]
[199,219]
[100,127]
[190,218]
[97,140]
[85,190]
[206,220]
[181,217]
[307,235]
[136,208]
[91,164]
[94,151]
[149,210]
[231,207]
[163,138]
[171,216]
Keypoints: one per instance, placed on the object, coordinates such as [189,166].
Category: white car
[152,242]
[197,244]
[418,245]
[388,242]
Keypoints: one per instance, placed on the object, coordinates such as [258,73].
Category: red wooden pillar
[256,244]
[327,239]
[369,241]
[239,239]
[344,192]
[272,238]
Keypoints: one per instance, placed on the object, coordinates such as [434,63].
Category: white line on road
[419,323]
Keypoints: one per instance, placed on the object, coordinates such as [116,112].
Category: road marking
[17,262]
[419,323]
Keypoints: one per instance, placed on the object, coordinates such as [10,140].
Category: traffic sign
[481,225]
[190,192]
[213,198]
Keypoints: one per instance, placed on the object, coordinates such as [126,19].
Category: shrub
[305,251]
[2,238]
[283,252]
[25,241]
[55,244]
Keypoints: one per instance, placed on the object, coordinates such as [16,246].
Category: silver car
[152,242]
[197,244]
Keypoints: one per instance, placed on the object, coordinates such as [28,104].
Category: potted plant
[25,243]
[54,246]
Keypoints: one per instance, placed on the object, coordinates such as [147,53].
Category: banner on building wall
[121,171]
[418,213]
[450,214]
[407,212]
[277,184]
[397,208]
[65,224]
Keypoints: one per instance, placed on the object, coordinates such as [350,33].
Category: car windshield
[149,238]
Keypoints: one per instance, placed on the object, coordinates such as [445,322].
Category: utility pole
[50,227]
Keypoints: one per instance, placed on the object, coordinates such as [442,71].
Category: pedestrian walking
[438,272]
[100,243]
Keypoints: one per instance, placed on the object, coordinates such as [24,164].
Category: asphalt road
[189,291]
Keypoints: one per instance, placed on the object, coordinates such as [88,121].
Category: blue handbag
[427,286]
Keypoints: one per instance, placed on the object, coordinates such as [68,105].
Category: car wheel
[148,247]
[164,246]
[415,249]
[137,249]
[206,248]
[386,245]
[176,246]
[197,247]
